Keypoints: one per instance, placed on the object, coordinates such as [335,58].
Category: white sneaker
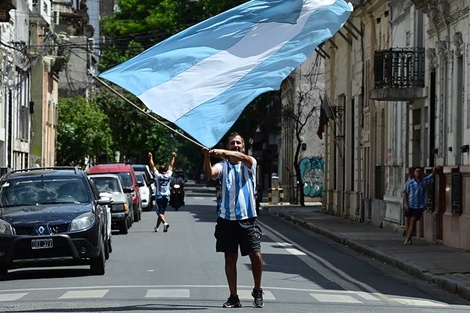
[165,227]
[155,229]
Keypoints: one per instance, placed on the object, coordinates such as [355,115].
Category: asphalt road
[179,271]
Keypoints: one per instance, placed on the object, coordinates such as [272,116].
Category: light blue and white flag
[202,78]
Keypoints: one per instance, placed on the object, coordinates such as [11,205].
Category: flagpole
[142,110]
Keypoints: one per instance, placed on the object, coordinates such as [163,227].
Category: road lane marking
[322,266]
[290,248]
[334,298]
[82,294]
[167,293]
[246,295]
[12,296]
[295,251]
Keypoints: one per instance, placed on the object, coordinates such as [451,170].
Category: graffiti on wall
[312,173]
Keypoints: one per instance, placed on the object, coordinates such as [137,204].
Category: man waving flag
[202,78]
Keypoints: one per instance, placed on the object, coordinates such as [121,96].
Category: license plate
[42,243]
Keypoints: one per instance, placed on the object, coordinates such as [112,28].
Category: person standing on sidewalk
[415,197]
[163,179]
[236,222]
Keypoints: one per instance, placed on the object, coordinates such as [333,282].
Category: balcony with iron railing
[399,74]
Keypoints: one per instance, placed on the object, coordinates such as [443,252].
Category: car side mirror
[128,190]
[104,201]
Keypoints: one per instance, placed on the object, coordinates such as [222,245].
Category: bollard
[276,196]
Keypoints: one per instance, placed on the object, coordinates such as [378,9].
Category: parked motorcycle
[177,196]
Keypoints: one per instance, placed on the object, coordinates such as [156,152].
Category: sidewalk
[448,268]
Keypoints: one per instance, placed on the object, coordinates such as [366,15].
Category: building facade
[402,102]
[15,98]
[39,41]
[298,142]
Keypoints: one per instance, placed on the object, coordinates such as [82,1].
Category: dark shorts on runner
[162,203]
[231,234]
[416,213]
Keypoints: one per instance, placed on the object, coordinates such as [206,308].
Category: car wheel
[97,263]
[106,250]
[138,214]
[124,227]
[110,245]
[3,270]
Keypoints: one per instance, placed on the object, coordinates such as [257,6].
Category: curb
[448,284]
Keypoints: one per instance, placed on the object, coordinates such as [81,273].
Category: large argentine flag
[202,78]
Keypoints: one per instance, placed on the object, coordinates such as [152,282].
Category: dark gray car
[51,216]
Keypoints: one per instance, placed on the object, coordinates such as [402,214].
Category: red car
[129,180]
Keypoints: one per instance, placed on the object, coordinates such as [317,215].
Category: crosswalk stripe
[167,293]
[246,295]
[334,298]
[12,296]
[295,251]
[419,302]
[324,296]
[366,296]
[80,294]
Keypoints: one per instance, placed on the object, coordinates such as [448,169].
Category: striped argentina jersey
[238,190]
[417,193]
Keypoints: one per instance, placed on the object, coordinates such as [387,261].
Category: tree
[83,131]
[304,87]
[133,132]
[140,24]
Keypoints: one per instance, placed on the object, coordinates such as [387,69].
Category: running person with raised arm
[163,179]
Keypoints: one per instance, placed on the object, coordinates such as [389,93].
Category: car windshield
[42,190]
[106,184]
[126,179]
[140,177]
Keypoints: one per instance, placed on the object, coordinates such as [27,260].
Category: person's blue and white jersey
[163,183]
[416,191]
[238,190]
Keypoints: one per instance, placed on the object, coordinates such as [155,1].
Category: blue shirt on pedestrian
[416,191]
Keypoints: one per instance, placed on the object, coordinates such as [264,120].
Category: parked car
[109,185]
[145,191]
[52,216]
[151,179]
[129,180]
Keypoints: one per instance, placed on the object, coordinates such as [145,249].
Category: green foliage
[83,131]
[140,24]
[134,133]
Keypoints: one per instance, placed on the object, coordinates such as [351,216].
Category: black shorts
[162,203]
[231,234]
[416,213]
